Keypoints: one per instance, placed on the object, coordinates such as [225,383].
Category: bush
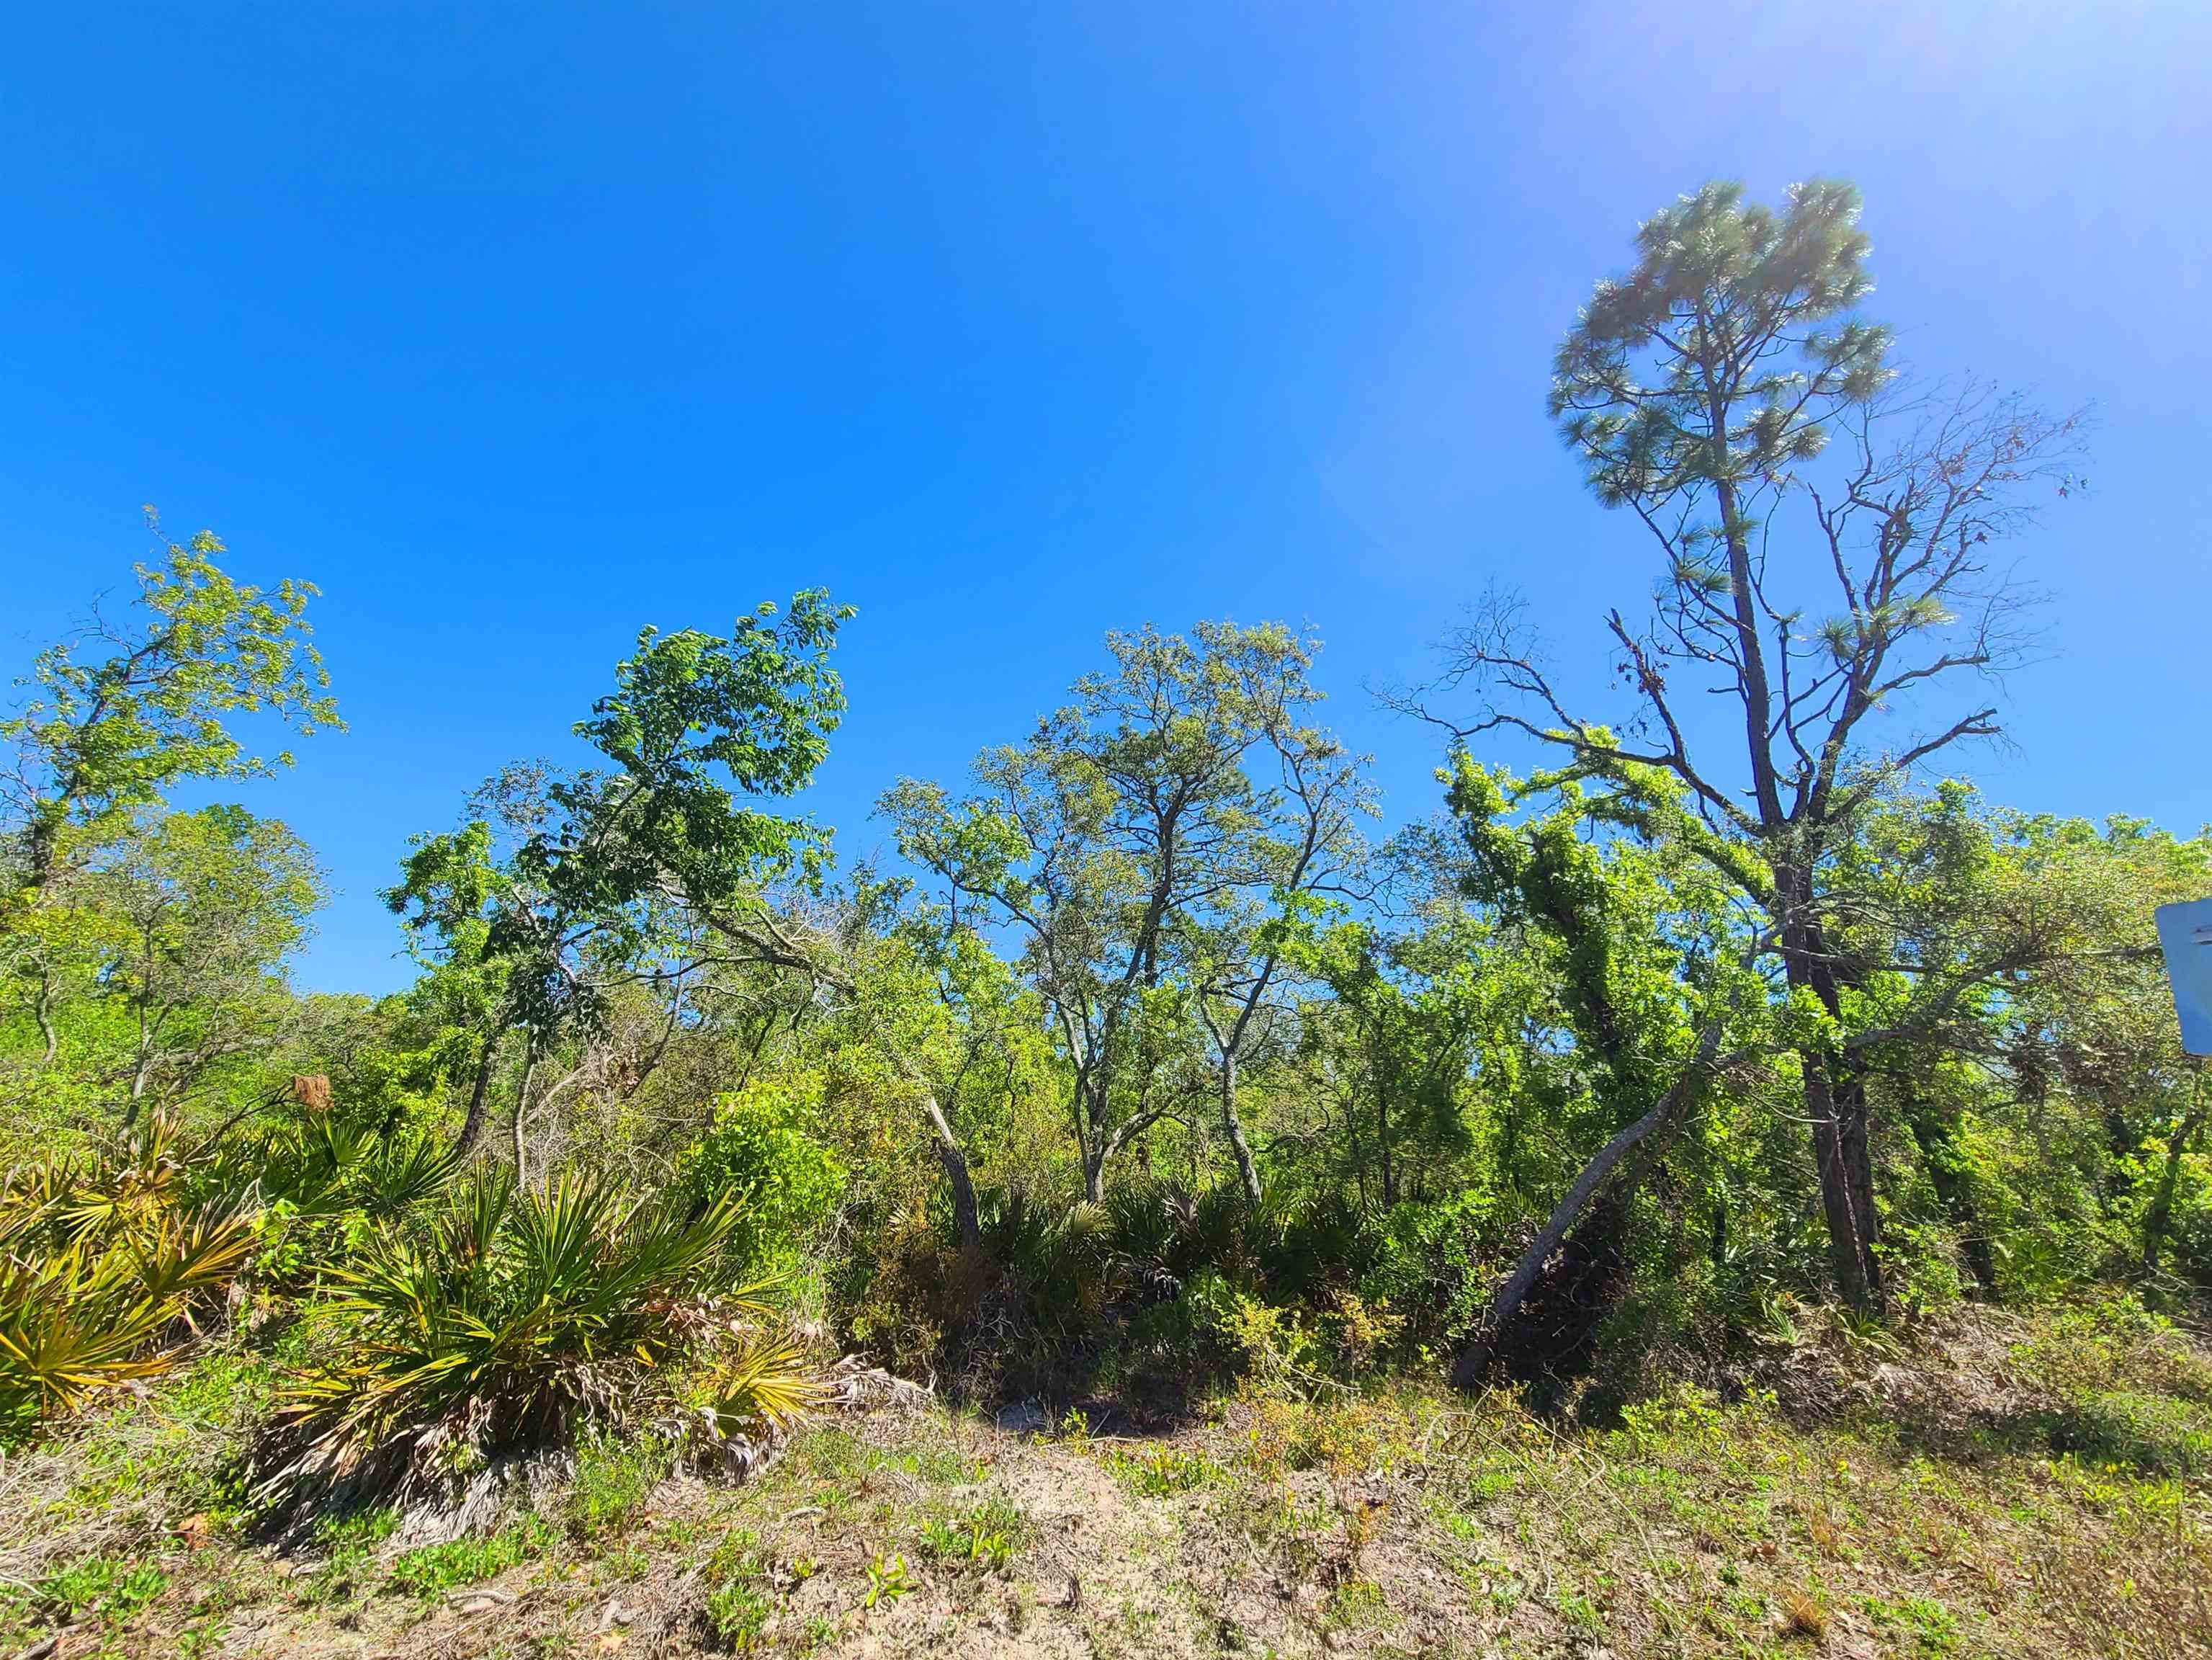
[97,1264]
[328,1183]
[756,1156]
[517,1315]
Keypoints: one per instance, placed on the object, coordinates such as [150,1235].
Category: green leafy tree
[159,968]
[1154,844]
[125,709]
[1827,556]
[1654,984]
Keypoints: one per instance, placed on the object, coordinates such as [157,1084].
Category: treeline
[1152,1060]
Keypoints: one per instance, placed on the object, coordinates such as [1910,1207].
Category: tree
[1652,979]
[1819,592]
[122,711]
[1153,844]
[607,876]
[1300,853]
[159,964]
[700,729]
[485,912]
[1400,1023]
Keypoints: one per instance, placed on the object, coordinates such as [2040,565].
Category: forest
[1707,1073]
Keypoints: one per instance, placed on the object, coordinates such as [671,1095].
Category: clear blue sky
[518,326]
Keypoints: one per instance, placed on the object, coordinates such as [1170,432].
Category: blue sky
[519,327]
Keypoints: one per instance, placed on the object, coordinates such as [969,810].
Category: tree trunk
[521,1121]
[1840,1152]
[965,1218]
[1835,1107]
[479,1092]
[2160,1213]
[43,1011]
[1382,1147]
[1473,1361]
[1248,1171]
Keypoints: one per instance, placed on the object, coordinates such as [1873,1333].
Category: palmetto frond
[519,1304]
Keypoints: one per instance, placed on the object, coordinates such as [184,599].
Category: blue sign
[2185,933]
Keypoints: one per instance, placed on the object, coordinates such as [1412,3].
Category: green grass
[431,1571]
[614,1480]
[349,1544]
[104,1590]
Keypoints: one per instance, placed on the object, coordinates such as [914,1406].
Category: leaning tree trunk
[2160,1213]
[1641,1138]
[480,1090]
[965,1218]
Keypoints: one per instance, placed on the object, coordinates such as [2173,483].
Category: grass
[2030,1485]
[1160,1472]
[613,1481]
[431,1571]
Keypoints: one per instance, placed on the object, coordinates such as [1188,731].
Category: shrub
[431,1571]
[515,1316]
[96,1265]
[757,1155]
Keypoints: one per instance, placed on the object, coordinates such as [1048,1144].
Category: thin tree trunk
[1473,1361]
[479,1092]
[1248,1170]
[2160,1213]
[965,1218]
[1935,1132]
[521,1121]
[43,1011]
[1383,1146]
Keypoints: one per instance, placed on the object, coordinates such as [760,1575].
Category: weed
[107,1591]
[1804,1615]
[613,1481]
[1161,1472]
[887,1580]
[350,1543]
[1933,1628]
[1356,1604]
[985,1536]
[738,1613]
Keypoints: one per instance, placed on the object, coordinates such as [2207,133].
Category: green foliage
[511,1317]
[431,1571]
[754,1382]
[985,1536]
[105,1591]
[615,1476]
[1722,284]
[150,969]
[123,712]
[758,1154]
[101,1260]
[1165,1471]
